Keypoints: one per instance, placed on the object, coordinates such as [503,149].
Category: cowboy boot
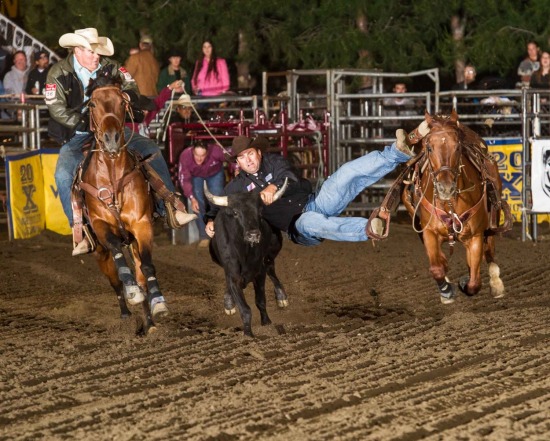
[404,141]
[418,133]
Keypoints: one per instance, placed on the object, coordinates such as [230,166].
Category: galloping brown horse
[455,194]
[119,203]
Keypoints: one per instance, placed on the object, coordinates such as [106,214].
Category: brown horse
[119,203]
[455,194]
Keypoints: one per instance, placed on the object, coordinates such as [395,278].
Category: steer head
[240,213]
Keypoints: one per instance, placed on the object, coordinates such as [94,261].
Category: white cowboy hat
[89,39]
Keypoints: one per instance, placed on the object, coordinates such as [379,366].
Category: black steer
[246,246]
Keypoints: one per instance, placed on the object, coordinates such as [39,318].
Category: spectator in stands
[4,56]
[144,67]
[399,106]
[307,217]
[399,87]
[198,164]
[36,81]
[210,76]
[540,79]
[174,71]
[15,79]
[469,82]
[68,124]
[529,65]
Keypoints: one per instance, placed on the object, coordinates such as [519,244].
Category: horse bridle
[454,171]
[95,126]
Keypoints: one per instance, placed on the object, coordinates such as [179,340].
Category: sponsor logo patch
[127,76]
[50,91]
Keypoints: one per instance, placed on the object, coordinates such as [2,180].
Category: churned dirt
[365,351]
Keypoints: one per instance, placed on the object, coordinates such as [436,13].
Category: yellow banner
[55,216]
[508,155]
[25,195]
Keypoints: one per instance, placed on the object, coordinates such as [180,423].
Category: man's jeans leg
[146,147]
[70,156]
[320,218]
[215,186]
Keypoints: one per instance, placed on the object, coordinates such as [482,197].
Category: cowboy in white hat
[65,87]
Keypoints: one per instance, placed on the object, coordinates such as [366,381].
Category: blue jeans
[320,219]
[70,156]
[215,185]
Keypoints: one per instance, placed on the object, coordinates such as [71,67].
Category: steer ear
[220,201]
[281,191]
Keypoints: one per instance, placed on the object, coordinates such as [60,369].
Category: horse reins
[450,219]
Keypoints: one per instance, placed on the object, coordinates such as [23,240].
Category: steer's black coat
[246,246]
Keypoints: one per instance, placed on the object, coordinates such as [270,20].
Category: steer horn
[220,201]
[280,191]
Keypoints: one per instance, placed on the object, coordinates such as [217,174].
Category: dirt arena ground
[365,351]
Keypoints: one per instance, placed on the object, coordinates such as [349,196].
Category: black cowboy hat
[174,52]
[242,143]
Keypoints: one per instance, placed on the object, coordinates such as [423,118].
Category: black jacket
[65,97]
[274,168]
[34,76]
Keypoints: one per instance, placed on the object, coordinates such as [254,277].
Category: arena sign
[33,201]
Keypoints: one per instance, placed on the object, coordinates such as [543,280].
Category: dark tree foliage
[402,35]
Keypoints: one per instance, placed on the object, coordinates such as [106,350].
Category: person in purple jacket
[197,164]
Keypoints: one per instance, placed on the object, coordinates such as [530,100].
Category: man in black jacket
[308,218]
[36,81]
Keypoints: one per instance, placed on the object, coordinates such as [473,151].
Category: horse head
[443,146]
[107,105]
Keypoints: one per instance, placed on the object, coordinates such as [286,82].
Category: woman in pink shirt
[210,77]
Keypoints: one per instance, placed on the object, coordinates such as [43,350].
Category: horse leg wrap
[446,290]
[132,291]
[153,286]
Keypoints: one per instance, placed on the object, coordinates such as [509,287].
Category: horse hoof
[158,307]
[133,294]
[447,300]
[497,293]
[231,311]
[282,303]
[463,285]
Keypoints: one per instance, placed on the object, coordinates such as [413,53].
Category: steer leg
[228,303]
[259,289]
[234,288]
[280,293]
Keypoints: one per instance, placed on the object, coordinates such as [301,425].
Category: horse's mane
[104,78]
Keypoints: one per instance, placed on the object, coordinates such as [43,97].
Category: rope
[166,119]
